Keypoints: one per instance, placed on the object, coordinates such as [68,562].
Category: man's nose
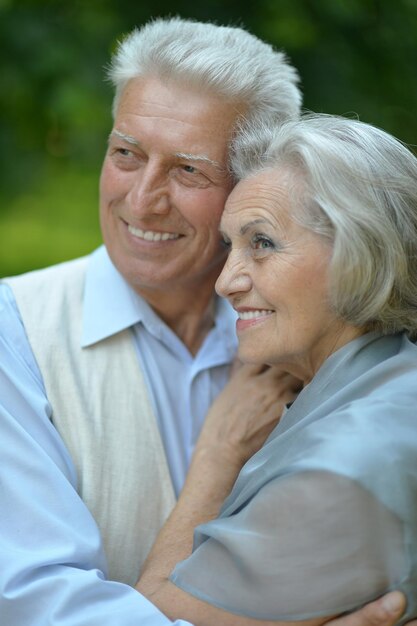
[150,191]
[234,277]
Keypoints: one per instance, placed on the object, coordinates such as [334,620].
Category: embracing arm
[52,565]
[198,504]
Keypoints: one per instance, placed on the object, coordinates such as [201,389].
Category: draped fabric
[324,517]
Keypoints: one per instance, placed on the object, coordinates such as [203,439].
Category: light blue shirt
[52,565]
[182,386]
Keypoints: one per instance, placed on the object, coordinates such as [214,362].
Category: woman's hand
[246,412]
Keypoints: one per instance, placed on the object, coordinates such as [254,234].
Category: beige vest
[102,411]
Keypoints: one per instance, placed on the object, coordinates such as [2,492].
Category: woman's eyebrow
[252,223]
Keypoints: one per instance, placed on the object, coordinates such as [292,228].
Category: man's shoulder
[54,291]
[66,269]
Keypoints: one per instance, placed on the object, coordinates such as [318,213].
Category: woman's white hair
[355,185]
[227,61]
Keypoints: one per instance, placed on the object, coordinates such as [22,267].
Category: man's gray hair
[355,185]
[226,61]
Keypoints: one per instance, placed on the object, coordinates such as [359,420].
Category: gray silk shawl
[324,517]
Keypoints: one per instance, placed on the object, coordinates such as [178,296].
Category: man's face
[163,186]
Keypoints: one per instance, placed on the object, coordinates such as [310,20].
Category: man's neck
[190,313]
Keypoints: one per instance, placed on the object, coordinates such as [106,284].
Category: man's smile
[151,235]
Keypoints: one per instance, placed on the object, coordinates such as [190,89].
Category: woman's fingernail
[394,602]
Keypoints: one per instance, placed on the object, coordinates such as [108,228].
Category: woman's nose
[234,278]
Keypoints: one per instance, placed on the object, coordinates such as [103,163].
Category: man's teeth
[249,315]
[150,235]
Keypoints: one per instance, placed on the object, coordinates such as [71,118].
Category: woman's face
[276,277]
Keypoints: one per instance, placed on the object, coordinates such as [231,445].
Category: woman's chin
[251,357]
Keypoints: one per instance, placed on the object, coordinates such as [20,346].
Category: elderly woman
[322,272]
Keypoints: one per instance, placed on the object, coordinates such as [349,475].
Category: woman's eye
[260,242]
[226,243]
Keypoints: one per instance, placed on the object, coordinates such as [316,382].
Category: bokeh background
[355,57]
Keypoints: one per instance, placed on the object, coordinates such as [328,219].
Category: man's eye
[189,169]
[191,176]
[124,152]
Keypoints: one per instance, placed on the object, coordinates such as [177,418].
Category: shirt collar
[110,304]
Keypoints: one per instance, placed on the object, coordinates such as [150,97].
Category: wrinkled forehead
[265,193]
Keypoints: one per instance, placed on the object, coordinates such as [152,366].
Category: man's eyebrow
[127,138]
[202,158]
[195,158]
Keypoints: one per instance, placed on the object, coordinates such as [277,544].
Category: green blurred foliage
[355,57]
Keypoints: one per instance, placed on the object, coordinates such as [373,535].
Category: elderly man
[110,363]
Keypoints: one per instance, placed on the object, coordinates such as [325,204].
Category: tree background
[354,57]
